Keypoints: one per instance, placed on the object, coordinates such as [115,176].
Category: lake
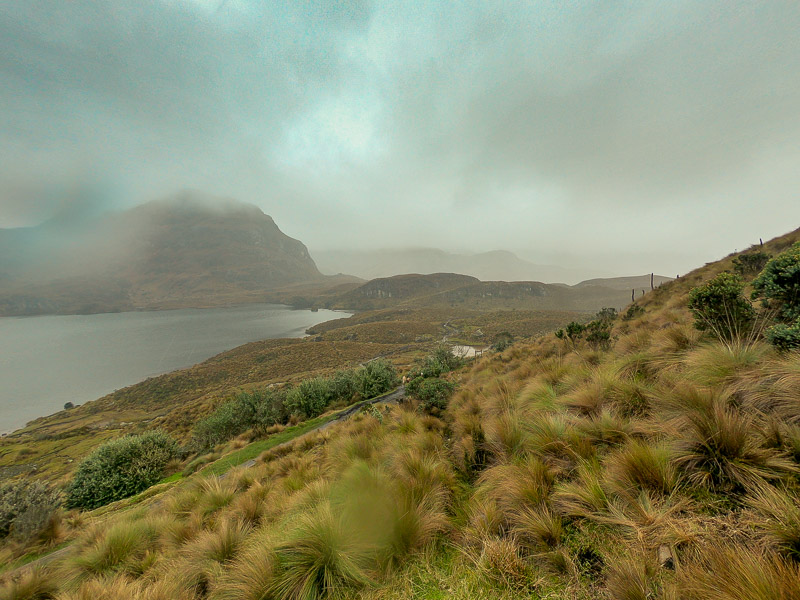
[49,360]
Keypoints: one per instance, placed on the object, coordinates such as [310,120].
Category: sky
[627,137]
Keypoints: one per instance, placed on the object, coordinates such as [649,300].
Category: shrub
[719,307]
[573,332]
[432,392]
[751,263]
[375,378]
[634,310]
[599,334]
[271,410]
[441,360]
[606,314]
[26,508]
[120,468]
[310,398]
[784,337]
[779,284]
[502,341]
[228,420]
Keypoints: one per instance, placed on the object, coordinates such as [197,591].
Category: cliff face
[182,251]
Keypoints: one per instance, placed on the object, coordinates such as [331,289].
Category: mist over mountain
[184,250]
[498,265]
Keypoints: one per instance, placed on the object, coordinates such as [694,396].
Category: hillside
[462,291]
[636,282]
[497,265]
[187,250]
[663,464]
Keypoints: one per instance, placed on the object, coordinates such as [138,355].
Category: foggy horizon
[618,141]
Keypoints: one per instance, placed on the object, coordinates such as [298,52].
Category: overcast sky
[629,137]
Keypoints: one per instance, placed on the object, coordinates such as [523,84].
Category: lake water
[49,360]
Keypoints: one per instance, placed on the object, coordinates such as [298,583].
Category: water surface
[49,360]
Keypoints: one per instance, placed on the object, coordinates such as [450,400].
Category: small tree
[779,284]
[634,310]
[750,263]
[575,331]
[599,334]
[606,314]
[720,307]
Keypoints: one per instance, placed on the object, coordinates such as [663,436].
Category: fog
[620,139]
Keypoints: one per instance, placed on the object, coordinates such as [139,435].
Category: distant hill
[498,265]
[637,282]
[448,289]
[187,250]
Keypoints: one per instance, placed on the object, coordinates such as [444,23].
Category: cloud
[553,129]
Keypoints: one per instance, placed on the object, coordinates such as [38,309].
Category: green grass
[256,448]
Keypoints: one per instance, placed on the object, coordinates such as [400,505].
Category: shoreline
[11,432]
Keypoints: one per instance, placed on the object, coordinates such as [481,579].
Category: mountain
[186,250]
[498,265]
[449,289]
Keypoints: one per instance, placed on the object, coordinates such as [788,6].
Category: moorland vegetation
[662,461]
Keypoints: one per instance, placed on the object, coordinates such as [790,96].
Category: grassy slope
[556,472]
[51,447]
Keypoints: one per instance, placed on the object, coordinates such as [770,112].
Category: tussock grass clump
[202,562]
[125,547]
[715,364]
[320,556]
[644,465]
[33,584]
[723,449]
[779,513]
[584,495]
[501,561]
[538,528]
[739,574]
[506,436]
[508,490]
[632,577]
[252,576]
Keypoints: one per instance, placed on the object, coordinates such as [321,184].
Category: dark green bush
[634,310]
[779,285]
[26,507]
[311,397]
[272,410]
[261,409]
[606,314]
[599,334]
[441,360]
[750,263]
[573,332]
[228,420]
[432,392]
[502,341]
[120,468]
[784,337]
[720,307]
[375,378]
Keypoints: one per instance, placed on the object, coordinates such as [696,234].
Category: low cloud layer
[653,136]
